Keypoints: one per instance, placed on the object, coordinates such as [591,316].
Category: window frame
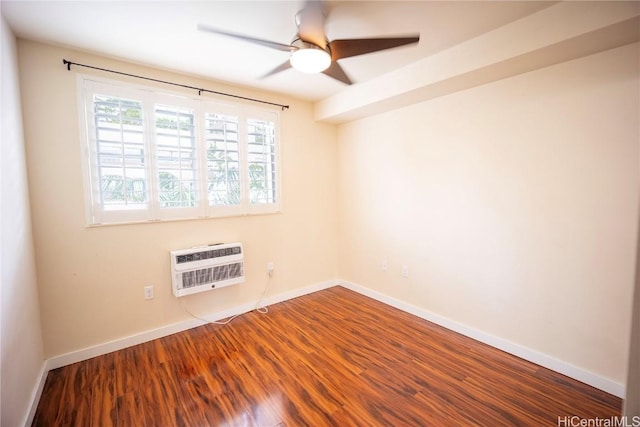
[150,97]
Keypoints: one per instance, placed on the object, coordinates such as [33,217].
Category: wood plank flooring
[332,358]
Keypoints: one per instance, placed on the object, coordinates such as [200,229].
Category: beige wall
[91,279]
[632,401]
[22,356]
[514,205]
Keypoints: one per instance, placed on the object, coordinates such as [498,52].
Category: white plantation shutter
[119,132]
[224,181]
[262,163]
[177,157]
[116,172]
[153,156]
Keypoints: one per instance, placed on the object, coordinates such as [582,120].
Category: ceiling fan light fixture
[310,59]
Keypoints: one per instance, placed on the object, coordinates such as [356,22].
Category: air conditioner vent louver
[205,268]
[208,254]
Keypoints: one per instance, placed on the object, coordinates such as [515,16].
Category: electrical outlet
[270,268]
[405,271]
[385,265]
[148,292]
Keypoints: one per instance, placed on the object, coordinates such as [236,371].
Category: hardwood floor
[332,358]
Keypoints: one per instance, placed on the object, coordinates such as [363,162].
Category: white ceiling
[163,34]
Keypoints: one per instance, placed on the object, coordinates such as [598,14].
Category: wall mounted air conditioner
[206,267]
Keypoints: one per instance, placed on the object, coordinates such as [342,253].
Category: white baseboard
[142,337]
[35,395]
[582,375]
[526,353]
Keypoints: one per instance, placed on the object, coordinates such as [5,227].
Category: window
[223,159]
[153,156]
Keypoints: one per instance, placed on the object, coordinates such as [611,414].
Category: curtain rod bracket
[67,63]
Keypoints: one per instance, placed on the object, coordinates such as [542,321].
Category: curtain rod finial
[67,63]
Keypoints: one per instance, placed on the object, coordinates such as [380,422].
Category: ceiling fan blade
[262,42]
[353,47]
[310,21]
[335,71]
[279,68]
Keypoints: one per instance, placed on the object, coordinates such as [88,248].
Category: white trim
[526,353]
[295,293]
[587,377]
[142,337]
[35,395]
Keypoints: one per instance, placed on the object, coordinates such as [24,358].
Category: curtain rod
[200,90]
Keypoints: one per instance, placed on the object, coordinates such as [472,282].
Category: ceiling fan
[311,51]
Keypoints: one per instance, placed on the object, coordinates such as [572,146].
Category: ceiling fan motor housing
[309,57]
